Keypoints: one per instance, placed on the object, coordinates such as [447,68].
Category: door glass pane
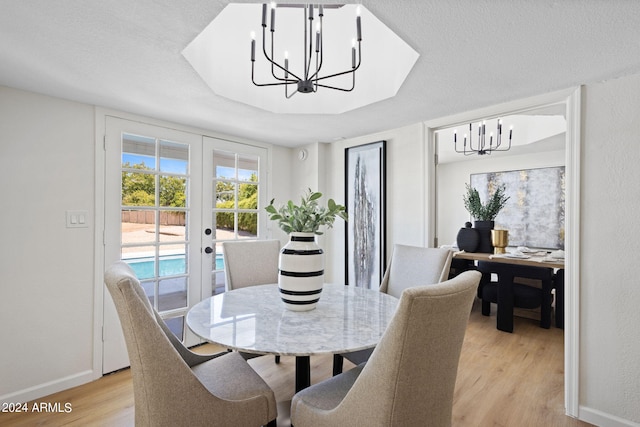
[138,150]
[218,278]
[247,225]
[173,191]
[138,227]
[224,194]
[173,226]
[224,164]
[174,157]
[138,187]
[247,167]
[225,225]
[248,196]
[172,262]
[172,293]
[141,259]
[176,325]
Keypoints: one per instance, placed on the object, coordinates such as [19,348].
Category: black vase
[484,233]
[467,238]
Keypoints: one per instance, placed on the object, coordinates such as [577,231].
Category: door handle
[208,250]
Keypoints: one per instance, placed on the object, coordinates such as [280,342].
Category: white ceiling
[126,55]
[225,66]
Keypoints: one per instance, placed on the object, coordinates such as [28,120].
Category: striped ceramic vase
[301,272]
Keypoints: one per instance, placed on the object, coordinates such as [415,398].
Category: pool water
[170,265]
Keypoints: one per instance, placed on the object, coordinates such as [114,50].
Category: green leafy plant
[307,217]
[484,211]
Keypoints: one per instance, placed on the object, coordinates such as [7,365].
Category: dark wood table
[502,266]
[534,260]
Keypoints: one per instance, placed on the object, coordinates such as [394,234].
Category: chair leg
[277,359]
[337,364]
[547,300]
[559,285]
[486,308]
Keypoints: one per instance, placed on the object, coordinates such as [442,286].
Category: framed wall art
[365,188]
[534,215]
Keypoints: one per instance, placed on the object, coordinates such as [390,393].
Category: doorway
[569,101]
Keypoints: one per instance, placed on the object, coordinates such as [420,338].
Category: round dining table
[254,320]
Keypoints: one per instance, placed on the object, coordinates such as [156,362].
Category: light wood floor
[503,380]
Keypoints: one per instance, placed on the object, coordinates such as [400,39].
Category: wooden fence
[148,217]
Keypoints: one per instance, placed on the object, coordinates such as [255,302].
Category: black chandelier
[310,79]
[482,147]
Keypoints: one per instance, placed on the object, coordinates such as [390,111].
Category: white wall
[610,244]
[405,191]
[452,178]
[46,269]
[279,186]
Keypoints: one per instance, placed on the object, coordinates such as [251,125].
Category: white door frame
[571,98]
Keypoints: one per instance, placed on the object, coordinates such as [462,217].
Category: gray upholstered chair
[409,266]
[250,263]
[410,378]
[174,386]
[412,265]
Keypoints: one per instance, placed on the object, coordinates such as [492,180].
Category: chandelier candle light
[482,147]
[309,80]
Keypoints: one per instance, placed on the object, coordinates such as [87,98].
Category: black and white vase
[301,272]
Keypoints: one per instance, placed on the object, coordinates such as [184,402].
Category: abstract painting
[534,215]
[365,202]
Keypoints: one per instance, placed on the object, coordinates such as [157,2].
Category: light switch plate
[77,219]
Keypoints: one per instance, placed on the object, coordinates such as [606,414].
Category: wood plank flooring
[503,380]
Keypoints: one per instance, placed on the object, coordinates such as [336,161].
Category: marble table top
[255,320]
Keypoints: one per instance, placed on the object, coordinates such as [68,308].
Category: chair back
[413,266]
[162,378]
[410,378]
[250,263]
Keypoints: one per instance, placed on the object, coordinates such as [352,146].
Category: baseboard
[46,389]
[599,418]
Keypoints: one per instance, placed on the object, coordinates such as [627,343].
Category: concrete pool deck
[133,233]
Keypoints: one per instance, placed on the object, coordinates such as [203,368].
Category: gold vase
[500,240]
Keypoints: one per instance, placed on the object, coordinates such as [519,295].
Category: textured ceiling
[225,66]
[126,55]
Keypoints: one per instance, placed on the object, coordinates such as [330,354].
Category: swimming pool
[170,265]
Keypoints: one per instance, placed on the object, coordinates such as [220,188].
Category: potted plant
[301,263]
[484,213]
[307,217]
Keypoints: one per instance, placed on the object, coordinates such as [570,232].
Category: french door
[171,198]
[233,205]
